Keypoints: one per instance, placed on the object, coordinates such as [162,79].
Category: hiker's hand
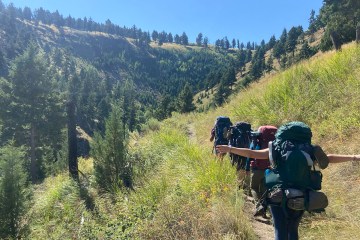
[223,148]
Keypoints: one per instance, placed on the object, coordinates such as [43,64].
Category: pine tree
[199,39]
[35,116]
[305,51]
[14,195]
[312,22]
[111,162]
[206,41]
[185,100]
[184,39]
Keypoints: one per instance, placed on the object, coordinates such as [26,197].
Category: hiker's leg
[293,224]
[255,182]
[279,222]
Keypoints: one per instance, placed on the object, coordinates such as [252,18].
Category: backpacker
[260,140]
[239,137]
[222,126]
[292,158]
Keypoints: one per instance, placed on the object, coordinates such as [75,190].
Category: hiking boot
[260,211]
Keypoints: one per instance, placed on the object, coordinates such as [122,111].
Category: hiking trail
[262,227]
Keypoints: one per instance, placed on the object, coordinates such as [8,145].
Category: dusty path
[191,133]
[262,227]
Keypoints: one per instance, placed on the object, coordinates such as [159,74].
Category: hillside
[182,192]
[103,62]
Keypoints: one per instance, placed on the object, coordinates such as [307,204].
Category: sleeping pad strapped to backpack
[240,138]
[292,159]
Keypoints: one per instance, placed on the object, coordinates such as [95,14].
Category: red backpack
[260,140]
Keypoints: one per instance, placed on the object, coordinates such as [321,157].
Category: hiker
[291,197]
[260,140]
[219,133]
[239,136]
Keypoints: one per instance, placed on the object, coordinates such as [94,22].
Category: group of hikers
[278,167]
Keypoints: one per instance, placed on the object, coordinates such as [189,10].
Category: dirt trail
[262,227]
[192,133]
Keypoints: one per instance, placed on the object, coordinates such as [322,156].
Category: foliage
[111,162]
[58,211]
[341,17]
[185,101]
[14,191]
[31,109]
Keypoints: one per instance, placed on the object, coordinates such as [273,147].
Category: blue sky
[250,20]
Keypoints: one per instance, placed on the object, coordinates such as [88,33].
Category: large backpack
[222,126]
[292,161]
[240,137]
[260,140]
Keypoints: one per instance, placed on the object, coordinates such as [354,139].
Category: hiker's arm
[338,158]
[258,154]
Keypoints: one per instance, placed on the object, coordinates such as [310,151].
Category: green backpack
[291,157]
[291,182]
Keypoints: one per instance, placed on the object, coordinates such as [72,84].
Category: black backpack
[240,137]
[222,126]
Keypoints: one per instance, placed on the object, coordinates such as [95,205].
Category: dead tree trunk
[72,142]
[335,40]
[33,164]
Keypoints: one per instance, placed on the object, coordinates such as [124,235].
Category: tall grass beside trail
[325,93]
[189,194]
[58,210]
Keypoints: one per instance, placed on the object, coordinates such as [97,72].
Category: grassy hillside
[182,192]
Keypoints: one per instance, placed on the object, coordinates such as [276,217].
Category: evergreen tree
[270,64]
[184,39]
[291,39]
[222,93]
[206,41]
[312,22]
[233,43]
[170,38]
[111,162]
[271,43]
[305,51]
[35,116]
[248,46]
[14,195]
[154,36]
[185,100]
[177,39]
[230,77]
[248,56]
[339,18]
[199,39]
[226,43]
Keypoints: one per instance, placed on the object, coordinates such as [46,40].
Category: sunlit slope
[325,93]
[182,192]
